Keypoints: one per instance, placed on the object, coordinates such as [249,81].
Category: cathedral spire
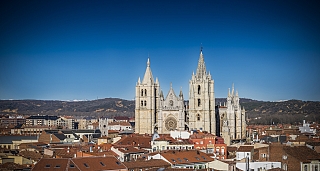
[148,78]
[232,89]
[201,70]
[181,94]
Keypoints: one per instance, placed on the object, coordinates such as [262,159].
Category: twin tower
[155,112]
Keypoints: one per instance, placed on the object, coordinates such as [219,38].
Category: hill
[258,112]
[102,107]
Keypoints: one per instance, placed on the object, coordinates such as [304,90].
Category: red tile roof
[186,156]
[79,164]
[153,163]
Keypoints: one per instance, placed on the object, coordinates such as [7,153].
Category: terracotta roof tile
[187,156]
[153,163]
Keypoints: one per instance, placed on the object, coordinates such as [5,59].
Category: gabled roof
[186,156]
[136,141]
[52,164]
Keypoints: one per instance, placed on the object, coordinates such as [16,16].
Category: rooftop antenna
[201,47]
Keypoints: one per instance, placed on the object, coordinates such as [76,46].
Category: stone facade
[232,118]
[201,112]
[156,113]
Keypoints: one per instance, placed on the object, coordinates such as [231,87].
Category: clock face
[171,123]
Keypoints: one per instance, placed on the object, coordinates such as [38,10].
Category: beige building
[232,118]
[201,113]
[155,112]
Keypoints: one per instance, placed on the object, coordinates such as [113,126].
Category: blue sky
[67,50]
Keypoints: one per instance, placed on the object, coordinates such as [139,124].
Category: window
[71,165]
[47,166]
[199,89]
[85,164]
[198,117]
[57,166]
[145,92]
[305,168]
[142,92]
[145,103]
[199,102]
[102,164]
[141,103]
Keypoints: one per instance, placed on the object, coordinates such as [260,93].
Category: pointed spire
[170,85]
[157,81]
[229,92]
[148,78]
[181,94]
[232,89]
[139,81]
[161,94]
[201,70]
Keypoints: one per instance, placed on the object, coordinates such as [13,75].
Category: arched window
[141,92]
[199,102]
[198,117]
[199,89]
[145,92]
[141,103]
[145,103]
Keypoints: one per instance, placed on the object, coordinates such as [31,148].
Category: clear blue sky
[66,50]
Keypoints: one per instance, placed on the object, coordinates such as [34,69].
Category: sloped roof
[136,141]
[153,163]
[131,149]
[186,156]
[98,163]
[8,139]
[79,164]
[302,153]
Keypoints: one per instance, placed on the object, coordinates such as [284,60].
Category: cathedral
[155,112]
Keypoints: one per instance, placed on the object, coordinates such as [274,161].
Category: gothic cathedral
[155,112]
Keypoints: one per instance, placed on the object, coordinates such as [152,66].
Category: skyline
[80,50]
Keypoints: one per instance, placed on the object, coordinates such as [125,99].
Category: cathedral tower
[201,100]
[146,103]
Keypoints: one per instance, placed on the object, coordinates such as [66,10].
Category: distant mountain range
[258,112]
